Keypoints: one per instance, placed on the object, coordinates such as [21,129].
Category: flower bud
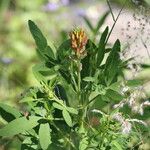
[78,41]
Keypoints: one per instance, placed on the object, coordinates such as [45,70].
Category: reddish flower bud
[78,41]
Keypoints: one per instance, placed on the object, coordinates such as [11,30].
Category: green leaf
[87,21]
[115,86]
[117,145]
[36,71]
[114,96]
[50,52]
[83,144]
[93,95]
[112,64]
[8,113]
[101,21]
[90,48]
[42,73]
[44,136]
[58,106]
[19,125]
[72,110]
[39,38]
[101,47]
[89,79]
[64,50]
[27,99]
[67,117]
[41,42]
[29,143]
[134,83]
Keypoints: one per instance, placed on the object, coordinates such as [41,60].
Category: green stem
[115,21]
[79,81]
[73,79]
[79,78]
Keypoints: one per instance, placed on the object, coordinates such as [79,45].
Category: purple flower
[81,12]
[6,60]
[51,7]
[65,2]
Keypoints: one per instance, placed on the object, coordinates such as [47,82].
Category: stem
[79,81]
[111,10]
[73,79]
[115,21]
[79,78]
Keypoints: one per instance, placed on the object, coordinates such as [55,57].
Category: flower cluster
[78,42]
[126,125]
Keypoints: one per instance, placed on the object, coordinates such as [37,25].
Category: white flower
[135,108]
[138,121]
[119,105]
[141,111]
[146,103]
[118,117]
[98,111]
[126,127]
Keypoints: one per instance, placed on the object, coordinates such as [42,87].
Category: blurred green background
[56,18]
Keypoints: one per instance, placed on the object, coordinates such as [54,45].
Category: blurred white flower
[120,104]
[146,103]
[118,117]
[138,121]
[98,111]
[124,89]
[126,127]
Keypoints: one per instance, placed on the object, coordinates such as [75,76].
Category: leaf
[83,144]
[58,106]
[9,113]
[117,145]
[101,47]
[67,117]
[114,96]
[41,42]
[27,99]
[112,64]
[64,50]
[134,83]
[19,125]
[87,21]
[115,86]
[89,79]
[101,21]
[87,62]
[29,143]
[72,110]
[42,73]
[36,71]
[39,38]
[93,95]
[44,136]
[50,52]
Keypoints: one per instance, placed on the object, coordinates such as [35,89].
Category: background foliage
[17,48]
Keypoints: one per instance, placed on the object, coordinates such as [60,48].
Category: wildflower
[141,108]
[98,111]
[6,60]
[118,117]
[65,2]
[138,121]
[126,127]
[54,5]
[120,104]
[78,42]
[51,6]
